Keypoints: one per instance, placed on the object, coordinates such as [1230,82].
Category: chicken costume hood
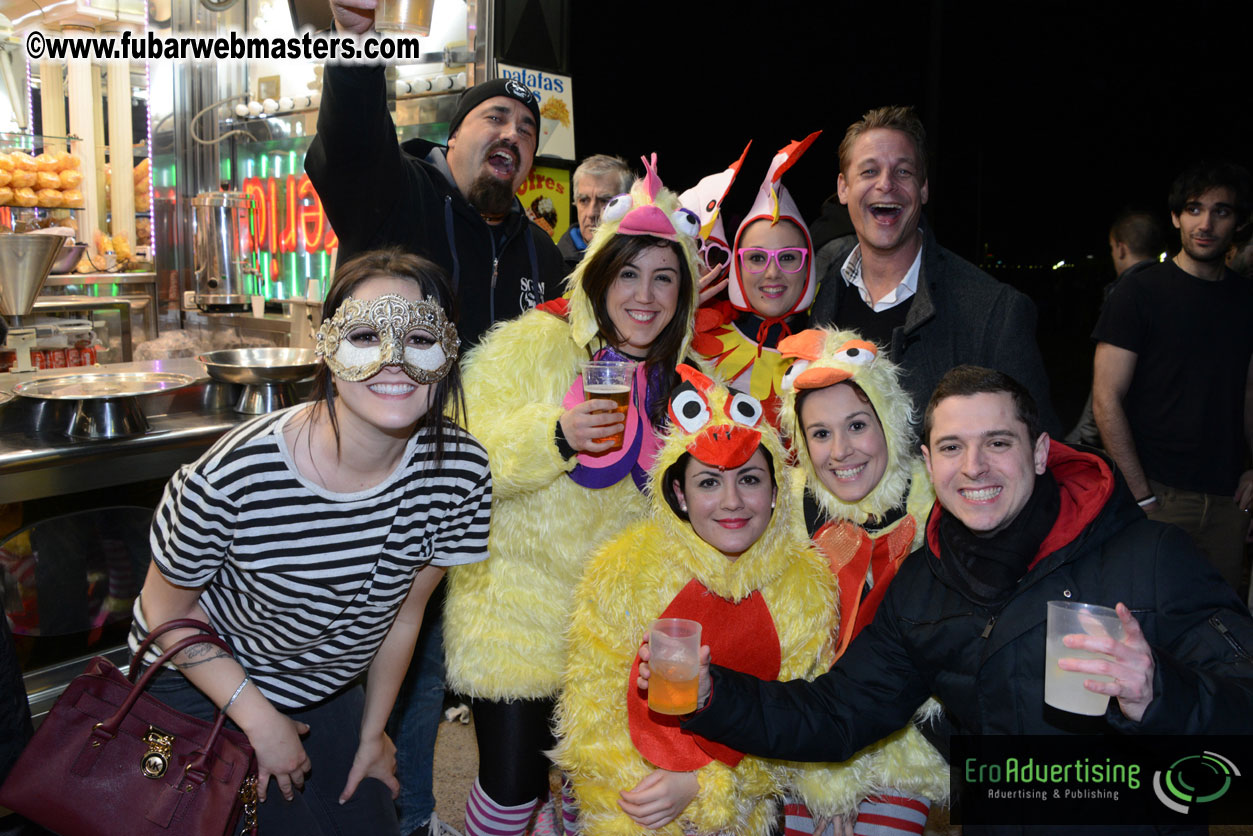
[506,618]
[823,357]
[771,611]
[774,204]
[705,199]
[648,209]
[738,340]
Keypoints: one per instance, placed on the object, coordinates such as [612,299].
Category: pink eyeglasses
[757,259]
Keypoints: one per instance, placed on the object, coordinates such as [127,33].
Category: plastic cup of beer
[407,17]
[674,665]
[609,380]
[1064,689]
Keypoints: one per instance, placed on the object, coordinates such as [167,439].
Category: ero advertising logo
[1194,779]
[1105,779]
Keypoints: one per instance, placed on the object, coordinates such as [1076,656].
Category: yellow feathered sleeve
[594,745]
[515,380]
[506,617]
[803,602]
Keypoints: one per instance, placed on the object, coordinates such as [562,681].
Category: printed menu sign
[556,108]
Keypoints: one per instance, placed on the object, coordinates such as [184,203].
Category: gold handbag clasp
[160,749]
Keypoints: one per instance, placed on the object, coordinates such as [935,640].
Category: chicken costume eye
[686,222]
[744,409]
[689,409]
[616,209]
[789,378]
[857,353]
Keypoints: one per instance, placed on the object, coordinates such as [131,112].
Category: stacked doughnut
[48,181]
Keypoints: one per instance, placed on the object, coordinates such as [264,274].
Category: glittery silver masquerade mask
[365,335]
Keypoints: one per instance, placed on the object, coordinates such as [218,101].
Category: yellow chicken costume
[505,619]
[824,357]
[771,611]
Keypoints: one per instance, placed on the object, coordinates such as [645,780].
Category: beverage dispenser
[225,256]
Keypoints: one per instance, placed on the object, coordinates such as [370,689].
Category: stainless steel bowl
[68,258]
[104,405]
[268,374]
[254,366]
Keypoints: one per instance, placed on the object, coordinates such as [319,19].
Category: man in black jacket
[454,205]
[926,306]
[1022,520]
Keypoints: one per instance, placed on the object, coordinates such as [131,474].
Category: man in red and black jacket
[1021,520]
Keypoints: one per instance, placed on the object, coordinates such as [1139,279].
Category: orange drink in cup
[673,664]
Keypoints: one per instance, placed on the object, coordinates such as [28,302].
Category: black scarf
[986,569]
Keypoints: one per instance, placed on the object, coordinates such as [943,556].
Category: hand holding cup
[1125,665]
[704,682]
[591,426]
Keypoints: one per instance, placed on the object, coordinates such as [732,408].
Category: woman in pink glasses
[771,287]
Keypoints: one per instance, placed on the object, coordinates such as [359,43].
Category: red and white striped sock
[892,815]
[797,820]
[485,817]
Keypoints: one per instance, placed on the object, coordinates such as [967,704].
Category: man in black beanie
[454,205]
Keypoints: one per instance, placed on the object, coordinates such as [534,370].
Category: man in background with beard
[1172,383]
[454,205]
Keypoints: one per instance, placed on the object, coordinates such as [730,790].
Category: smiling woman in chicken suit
[560,491]
[772,285]
[850,422]
[725,546]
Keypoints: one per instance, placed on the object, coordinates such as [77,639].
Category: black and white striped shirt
[302,582]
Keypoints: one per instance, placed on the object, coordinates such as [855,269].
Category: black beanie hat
[479,93]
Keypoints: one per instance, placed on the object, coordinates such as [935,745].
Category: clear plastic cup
[674,665]
[609,380]
[1064,689]
[408,17]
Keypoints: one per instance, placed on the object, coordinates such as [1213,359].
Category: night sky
[1043,119]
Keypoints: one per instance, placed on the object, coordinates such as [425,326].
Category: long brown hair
[447,406]
[599,275]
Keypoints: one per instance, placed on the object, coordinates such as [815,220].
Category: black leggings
[512,738]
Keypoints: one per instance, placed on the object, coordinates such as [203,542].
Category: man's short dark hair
[1199,178]
[966,380]
[1140,231]
[893,117]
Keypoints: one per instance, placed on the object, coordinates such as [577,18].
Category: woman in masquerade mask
[311,537]
[724,546]
[560,491]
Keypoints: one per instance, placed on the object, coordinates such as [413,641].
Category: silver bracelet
[235,695]
[1148,500]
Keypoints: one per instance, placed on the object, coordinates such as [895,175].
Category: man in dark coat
[929,308]
[1021,520]
[454,205]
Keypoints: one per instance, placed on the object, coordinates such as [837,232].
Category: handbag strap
[198,768]
[176,624]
